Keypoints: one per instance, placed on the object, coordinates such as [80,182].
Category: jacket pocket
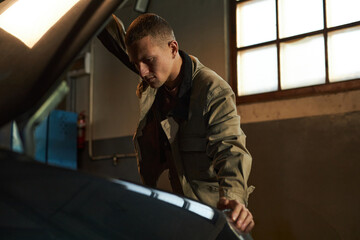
[197,164]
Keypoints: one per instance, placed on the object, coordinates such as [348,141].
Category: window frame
[280,94]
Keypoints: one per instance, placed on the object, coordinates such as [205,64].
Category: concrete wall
[306,171]
[342,102]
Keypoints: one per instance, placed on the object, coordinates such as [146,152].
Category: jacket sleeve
[226,145]
[113,39]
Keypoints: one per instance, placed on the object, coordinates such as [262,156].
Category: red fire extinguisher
[81,125]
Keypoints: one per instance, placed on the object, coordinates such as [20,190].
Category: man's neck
[171,84]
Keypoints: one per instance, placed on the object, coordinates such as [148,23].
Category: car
[39,201]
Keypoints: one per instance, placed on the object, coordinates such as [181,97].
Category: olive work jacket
[208,145]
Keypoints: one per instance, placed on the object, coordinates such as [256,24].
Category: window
[289,48]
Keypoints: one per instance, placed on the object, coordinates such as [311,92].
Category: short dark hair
[149,24]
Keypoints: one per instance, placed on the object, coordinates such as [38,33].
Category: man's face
[154,62]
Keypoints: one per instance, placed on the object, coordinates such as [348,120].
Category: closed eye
[149,60]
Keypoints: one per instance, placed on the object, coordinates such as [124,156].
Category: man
[188,123]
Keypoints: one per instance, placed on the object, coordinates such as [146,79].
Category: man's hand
[241,216]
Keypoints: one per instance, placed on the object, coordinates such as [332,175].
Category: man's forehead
[144,44]
[141,50]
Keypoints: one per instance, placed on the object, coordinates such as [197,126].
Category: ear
[173,45]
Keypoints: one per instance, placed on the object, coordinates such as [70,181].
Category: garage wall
[306,172]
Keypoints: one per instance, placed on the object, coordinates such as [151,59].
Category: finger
[250,227]
[243,217]
[237,209]
[244,220]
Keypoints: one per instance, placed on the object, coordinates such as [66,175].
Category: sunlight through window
[257,70]
[256,22]
[30,20]
[342,12]
[302,45]
[344,54]
[300,16]
[302,62]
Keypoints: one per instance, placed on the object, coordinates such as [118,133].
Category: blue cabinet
[55,139]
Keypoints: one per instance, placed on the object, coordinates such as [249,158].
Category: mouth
[150,79]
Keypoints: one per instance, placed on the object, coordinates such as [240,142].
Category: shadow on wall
[306,173]
[125,168]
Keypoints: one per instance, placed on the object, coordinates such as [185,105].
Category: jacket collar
[182,109]
[186,73]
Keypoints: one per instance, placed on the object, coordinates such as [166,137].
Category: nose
[143,70]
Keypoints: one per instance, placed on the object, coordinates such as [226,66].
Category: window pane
[255,22]
[302,62]
[257,70]
[300,16]
[342,12]
[344,54]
